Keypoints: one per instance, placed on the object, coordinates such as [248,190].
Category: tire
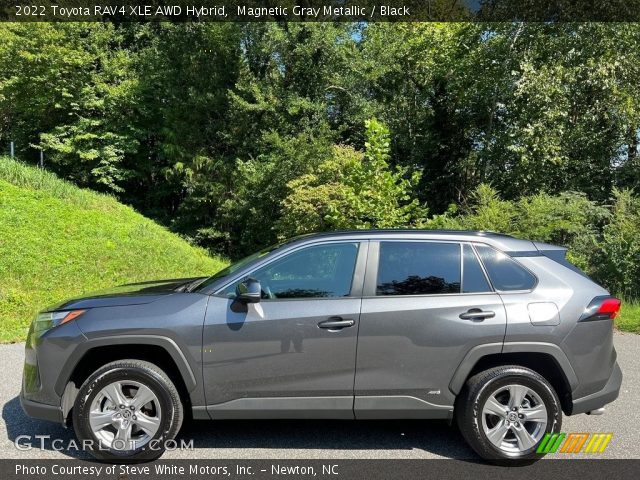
[126,435]
[538,413]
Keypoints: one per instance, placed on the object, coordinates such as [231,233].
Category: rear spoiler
[555,252]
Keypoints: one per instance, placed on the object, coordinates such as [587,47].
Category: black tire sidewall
[510,377]
[155,447]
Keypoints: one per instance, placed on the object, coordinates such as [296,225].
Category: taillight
[601,308]
[611,307]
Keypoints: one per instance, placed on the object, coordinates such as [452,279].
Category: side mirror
[248,291]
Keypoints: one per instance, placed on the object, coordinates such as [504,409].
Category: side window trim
[371,276]
[461,267]
[356,281]
[360,270]
[484,270]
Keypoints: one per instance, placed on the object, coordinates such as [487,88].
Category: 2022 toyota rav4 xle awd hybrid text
[497,334]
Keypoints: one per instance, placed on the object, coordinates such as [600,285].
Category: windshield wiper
[189,286]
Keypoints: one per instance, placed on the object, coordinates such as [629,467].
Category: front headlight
[46,320]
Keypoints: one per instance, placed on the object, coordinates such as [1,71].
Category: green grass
[59,241]
[628,320]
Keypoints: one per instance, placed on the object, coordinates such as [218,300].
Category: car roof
[501,241]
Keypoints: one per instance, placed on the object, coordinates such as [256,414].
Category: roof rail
[479,233]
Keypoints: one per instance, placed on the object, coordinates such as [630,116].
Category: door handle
[477,314]
[336,323]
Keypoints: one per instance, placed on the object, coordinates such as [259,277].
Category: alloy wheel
[125,415]
[514,419]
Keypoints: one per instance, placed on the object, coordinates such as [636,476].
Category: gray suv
[497,334]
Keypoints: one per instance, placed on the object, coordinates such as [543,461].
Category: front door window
[320,271]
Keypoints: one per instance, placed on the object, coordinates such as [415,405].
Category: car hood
[129,294]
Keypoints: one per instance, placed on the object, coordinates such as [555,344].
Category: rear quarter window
[505,273]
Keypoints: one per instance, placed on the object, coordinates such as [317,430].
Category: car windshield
[234,267]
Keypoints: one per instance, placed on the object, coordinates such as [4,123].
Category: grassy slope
[59,241]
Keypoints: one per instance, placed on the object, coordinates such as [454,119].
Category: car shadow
[22,430]
[435,437]
[430,436]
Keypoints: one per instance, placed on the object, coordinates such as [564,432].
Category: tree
[203,125]
[66,88]
[618,262]
[352,190]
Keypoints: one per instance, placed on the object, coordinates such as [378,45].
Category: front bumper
[41,411]
[45,354]
[602,397]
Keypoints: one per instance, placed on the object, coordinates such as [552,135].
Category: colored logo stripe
[574,442]
[598,442]
[550,443]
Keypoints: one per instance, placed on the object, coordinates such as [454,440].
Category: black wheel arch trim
[169,345]
[474,355]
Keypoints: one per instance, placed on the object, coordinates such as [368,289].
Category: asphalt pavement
[317,439]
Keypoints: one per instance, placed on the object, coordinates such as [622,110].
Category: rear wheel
[505,412]
[127,411]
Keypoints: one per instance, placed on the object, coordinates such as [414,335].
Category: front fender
[164,342]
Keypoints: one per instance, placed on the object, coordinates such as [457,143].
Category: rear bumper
[41,411]
[599,399]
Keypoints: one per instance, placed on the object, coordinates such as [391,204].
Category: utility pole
[12,149]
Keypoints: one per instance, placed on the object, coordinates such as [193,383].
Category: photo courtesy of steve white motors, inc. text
[160,469]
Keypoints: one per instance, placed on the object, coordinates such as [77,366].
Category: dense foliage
[58,241]
[351,190]
[237,134]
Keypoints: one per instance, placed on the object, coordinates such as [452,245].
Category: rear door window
[418,268]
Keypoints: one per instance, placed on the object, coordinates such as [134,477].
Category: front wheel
[127,411]
[505,412]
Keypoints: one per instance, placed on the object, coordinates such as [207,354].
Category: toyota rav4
[498,334]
